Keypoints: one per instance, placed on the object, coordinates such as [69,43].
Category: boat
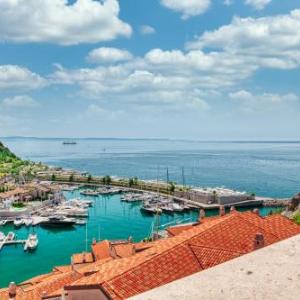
[58,220]
[148,208]
[10,236]
[3,222]
[31,242]
[69,188]
[177,207]
[69,143]
[80,222]
[2,236]
[18,222]
[89,193]
[38,220]
[28,222]
[167,209]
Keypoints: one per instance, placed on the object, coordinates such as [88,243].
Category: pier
[11,242]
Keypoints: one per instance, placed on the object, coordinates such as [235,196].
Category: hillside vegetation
[10,164]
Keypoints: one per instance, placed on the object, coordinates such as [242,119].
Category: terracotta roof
[124,250]
[101,250]
[175,230]
[82,258]
[212,242]
[63,269]
[48,286]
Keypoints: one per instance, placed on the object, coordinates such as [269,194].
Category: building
[122,269]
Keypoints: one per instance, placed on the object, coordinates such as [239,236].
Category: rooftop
[269,273]
[124,270]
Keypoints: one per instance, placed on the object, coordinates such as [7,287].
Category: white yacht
[18,222]
[2,236]
[3,222]
[28,222]
[31,242]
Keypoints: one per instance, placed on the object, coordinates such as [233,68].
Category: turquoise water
[109,218]
[266,168]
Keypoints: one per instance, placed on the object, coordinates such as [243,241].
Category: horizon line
[157,139]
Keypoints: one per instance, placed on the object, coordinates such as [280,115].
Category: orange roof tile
[124,250]
[101,250]
[81,258]
[214,241]
[175,230]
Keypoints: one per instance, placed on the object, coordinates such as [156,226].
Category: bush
[297,218]
[18,205]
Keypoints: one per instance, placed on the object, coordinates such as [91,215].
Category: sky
[188,69]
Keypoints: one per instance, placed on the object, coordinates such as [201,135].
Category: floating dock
[12,242]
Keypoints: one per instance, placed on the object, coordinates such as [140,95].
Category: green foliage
[18,205]
[131,182]
[106,180]
[10,164]
[172,187]
[89,179]
[53,177]
[297,218]
[71,178]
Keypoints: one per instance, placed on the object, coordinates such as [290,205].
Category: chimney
[232,209]
[12,290]
[44,294]
[133,249]
[72,264]
[201,215]
[259,241]
[83,257]
[222,210]
[256,211]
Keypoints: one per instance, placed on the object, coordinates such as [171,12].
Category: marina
[108,218]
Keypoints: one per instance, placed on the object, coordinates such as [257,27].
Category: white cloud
[270,42]
[146,29]
[188,8]
[258,4]
[22,101]
[19,78]
[253,102]
[60,22]
[106,55]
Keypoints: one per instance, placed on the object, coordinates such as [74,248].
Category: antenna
[99,233]
[183,179]
[86,239]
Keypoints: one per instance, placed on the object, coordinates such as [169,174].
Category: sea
[269,169]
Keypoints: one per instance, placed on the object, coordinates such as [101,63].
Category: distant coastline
[246,141]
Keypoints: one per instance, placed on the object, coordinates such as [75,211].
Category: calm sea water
[269,169]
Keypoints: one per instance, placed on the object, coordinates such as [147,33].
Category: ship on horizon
[69,143]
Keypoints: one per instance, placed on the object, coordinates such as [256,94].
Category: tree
[135,181]
[71,178]
[215,196]
[131,182]
[53,177]
[89,179]
[172,187]
[106,180]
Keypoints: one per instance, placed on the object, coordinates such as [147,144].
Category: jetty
[6,241]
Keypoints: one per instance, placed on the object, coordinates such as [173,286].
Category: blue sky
[195,69]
